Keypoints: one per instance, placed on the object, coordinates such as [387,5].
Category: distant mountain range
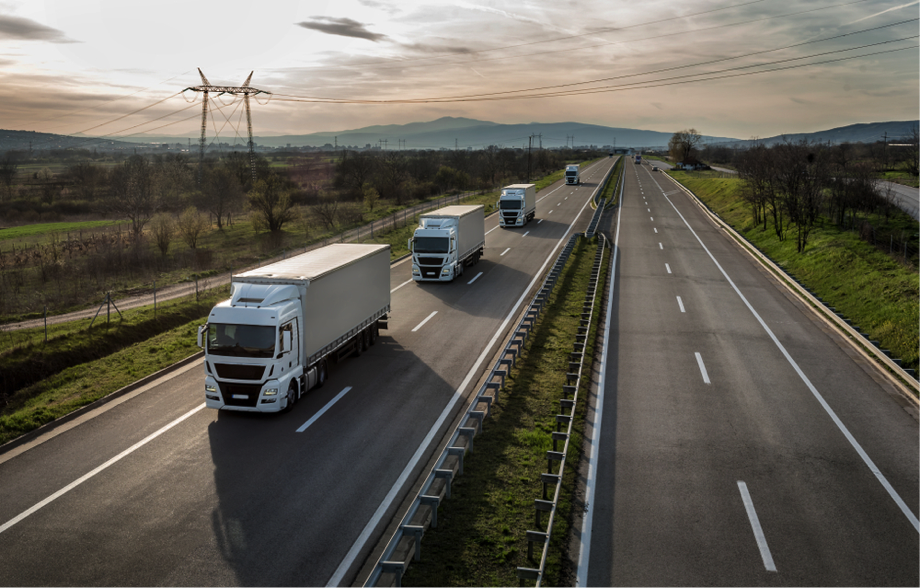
[463,133]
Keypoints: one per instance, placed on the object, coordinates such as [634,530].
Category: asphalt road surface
[154,489]
[741,442]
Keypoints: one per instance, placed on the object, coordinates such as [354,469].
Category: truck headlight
[415,271]
[271,392]
[445,271]
[210,388]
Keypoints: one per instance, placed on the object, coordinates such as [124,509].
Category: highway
[154,489]
[735,439]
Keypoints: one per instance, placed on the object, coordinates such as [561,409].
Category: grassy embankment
[44,381]
[879,293]
[481,534]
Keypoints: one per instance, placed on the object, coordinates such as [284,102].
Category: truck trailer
[572,174]
[445,241]
[283,324]
[517,205]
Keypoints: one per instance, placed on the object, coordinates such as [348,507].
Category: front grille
[510,215]
[239,372]
[250,391]
[431,261]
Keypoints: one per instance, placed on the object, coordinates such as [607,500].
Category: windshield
[571,172]
[510,204]
[432,245]
[241,340]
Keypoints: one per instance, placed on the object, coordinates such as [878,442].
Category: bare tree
[8,168]
[221,193]
[327,210]
[132,194]
[163,228]
[271,202]
[87,179]
[683,144]
[191,226]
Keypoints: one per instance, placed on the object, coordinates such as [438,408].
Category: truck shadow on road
[291,504]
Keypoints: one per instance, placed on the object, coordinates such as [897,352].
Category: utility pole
[383,142]
[529,147]
[455,144]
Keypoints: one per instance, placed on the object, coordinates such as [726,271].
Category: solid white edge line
[401,285]
[505,251]
[323,410]
[584,549]
[421,324]
[356,547]
[755,526]
[699,362]
[827,408]
[680,303]
[104,466]
[474,279]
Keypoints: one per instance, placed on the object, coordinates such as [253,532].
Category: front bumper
[245,397]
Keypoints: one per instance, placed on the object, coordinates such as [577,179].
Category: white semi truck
[285,322]
[445,241]
[572,174]
[517,205]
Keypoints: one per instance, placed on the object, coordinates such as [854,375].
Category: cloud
[16,27]
[344,27]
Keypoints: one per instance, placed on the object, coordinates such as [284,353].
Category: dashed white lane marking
[660,246]
[667,267]
[656,231]
[505,251]
[551,212]
[421,324]
[474,279]
[680,303]
[492,229]
[322,411]
[699,361]
[539,221]
[653,218]
[400,286]
[755,525]
[525,234]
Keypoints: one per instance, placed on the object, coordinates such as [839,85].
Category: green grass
[878,293]
[78,366]
[901,177]
[481,534]
[45,229]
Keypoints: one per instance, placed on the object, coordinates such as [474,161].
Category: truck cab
[517,205]
[434,250]
[252,349]
[572,175]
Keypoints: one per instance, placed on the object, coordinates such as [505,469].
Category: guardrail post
[394,567]
[417,531]
[459,452]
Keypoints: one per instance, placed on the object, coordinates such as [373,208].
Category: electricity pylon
[246,91]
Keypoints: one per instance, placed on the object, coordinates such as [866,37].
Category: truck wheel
[321,374]
[359,344]
[291,396]
[375,332]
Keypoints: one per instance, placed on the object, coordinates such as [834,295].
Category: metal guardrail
[567,405]
[405,545]
[599,211]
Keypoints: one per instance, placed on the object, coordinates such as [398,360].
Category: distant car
[654,168]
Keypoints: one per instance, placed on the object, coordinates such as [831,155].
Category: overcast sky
[69,65]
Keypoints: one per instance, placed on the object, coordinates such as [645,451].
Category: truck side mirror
[497,202]
[286,342]
[201,331]
[409,244]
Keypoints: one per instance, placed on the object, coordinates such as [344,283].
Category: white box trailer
[517,205]
[273,339]
[446,240]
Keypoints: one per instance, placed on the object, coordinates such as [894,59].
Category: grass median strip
[481,534]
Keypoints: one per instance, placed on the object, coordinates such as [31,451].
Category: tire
[322,374]
[374,332]
[359,344]
[291,397]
